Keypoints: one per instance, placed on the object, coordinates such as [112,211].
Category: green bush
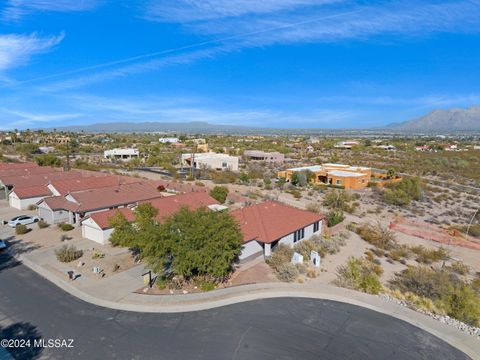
[455,297]
[428,256]
[359,274]
[66,226]
[287,272]
[21,229]
[402,193]
[335,217]
[206,285]
[42,224]
[32,207]
[377,235]
[68,253]
[219,193]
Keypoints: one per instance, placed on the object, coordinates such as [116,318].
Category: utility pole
[67,167]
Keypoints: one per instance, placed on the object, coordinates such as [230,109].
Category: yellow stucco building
[349,177]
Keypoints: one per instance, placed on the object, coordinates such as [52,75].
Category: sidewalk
[116,292]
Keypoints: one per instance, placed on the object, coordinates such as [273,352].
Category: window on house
[298,235]
[224,164]
[316,226]
[339,182]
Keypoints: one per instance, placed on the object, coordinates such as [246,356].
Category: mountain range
[443,120]
[450,120]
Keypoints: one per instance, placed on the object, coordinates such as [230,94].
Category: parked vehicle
[23,220]
[3,245]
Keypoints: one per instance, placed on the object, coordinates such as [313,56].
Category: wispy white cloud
[17,49]
[125,69]
[201,10]
[22,119]
[16,9]
[316,21]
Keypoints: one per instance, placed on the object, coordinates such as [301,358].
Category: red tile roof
[27,192]
[166,206]
[26,171]
[104,198]
[45,177]
[9,166]
[59,203]
[65,186]
[179,186]
[102,218]
[269,221]
[169,205]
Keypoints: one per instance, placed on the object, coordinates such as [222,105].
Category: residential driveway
[283,328]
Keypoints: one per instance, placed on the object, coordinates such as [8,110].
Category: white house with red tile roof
[96,227]
[80,204]
[21,197]
[270,223]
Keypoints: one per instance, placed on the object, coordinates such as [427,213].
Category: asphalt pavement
[31,308]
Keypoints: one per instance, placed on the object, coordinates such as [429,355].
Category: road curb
[224,297]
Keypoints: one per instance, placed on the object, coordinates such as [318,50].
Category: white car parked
[23,220]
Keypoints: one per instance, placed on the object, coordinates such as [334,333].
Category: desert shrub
[42,224]
[423,281]
[305,247]
[302,268]
[287,272]
[335,217]
[400,252]
[358,274]
[454,296]
[68,253]
[311,272]
[460,268]
[97,254]
[32,207]
[463,304]
[313,207]
[402,193]
[377,235]
[21,229]
[330,245]
[282,254]
[66,226]
[115,267]
[428,256]
[338,200]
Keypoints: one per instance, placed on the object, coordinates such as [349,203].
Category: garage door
[92,234]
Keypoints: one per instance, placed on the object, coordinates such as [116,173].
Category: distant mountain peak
[455,119]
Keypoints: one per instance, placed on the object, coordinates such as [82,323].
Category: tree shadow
[27,334]
[18,247]
[7,261]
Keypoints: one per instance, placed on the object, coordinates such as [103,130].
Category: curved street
[285,328]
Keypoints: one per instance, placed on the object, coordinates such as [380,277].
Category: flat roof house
[96,227]
[257,155]
[349,177]
[211,160]
[74,206]
[270,223]
[121,154]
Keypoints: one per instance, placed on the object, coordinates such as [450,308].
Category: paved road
[31,307]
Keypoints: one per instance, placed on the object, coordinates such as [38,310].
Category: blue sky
[273,63]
